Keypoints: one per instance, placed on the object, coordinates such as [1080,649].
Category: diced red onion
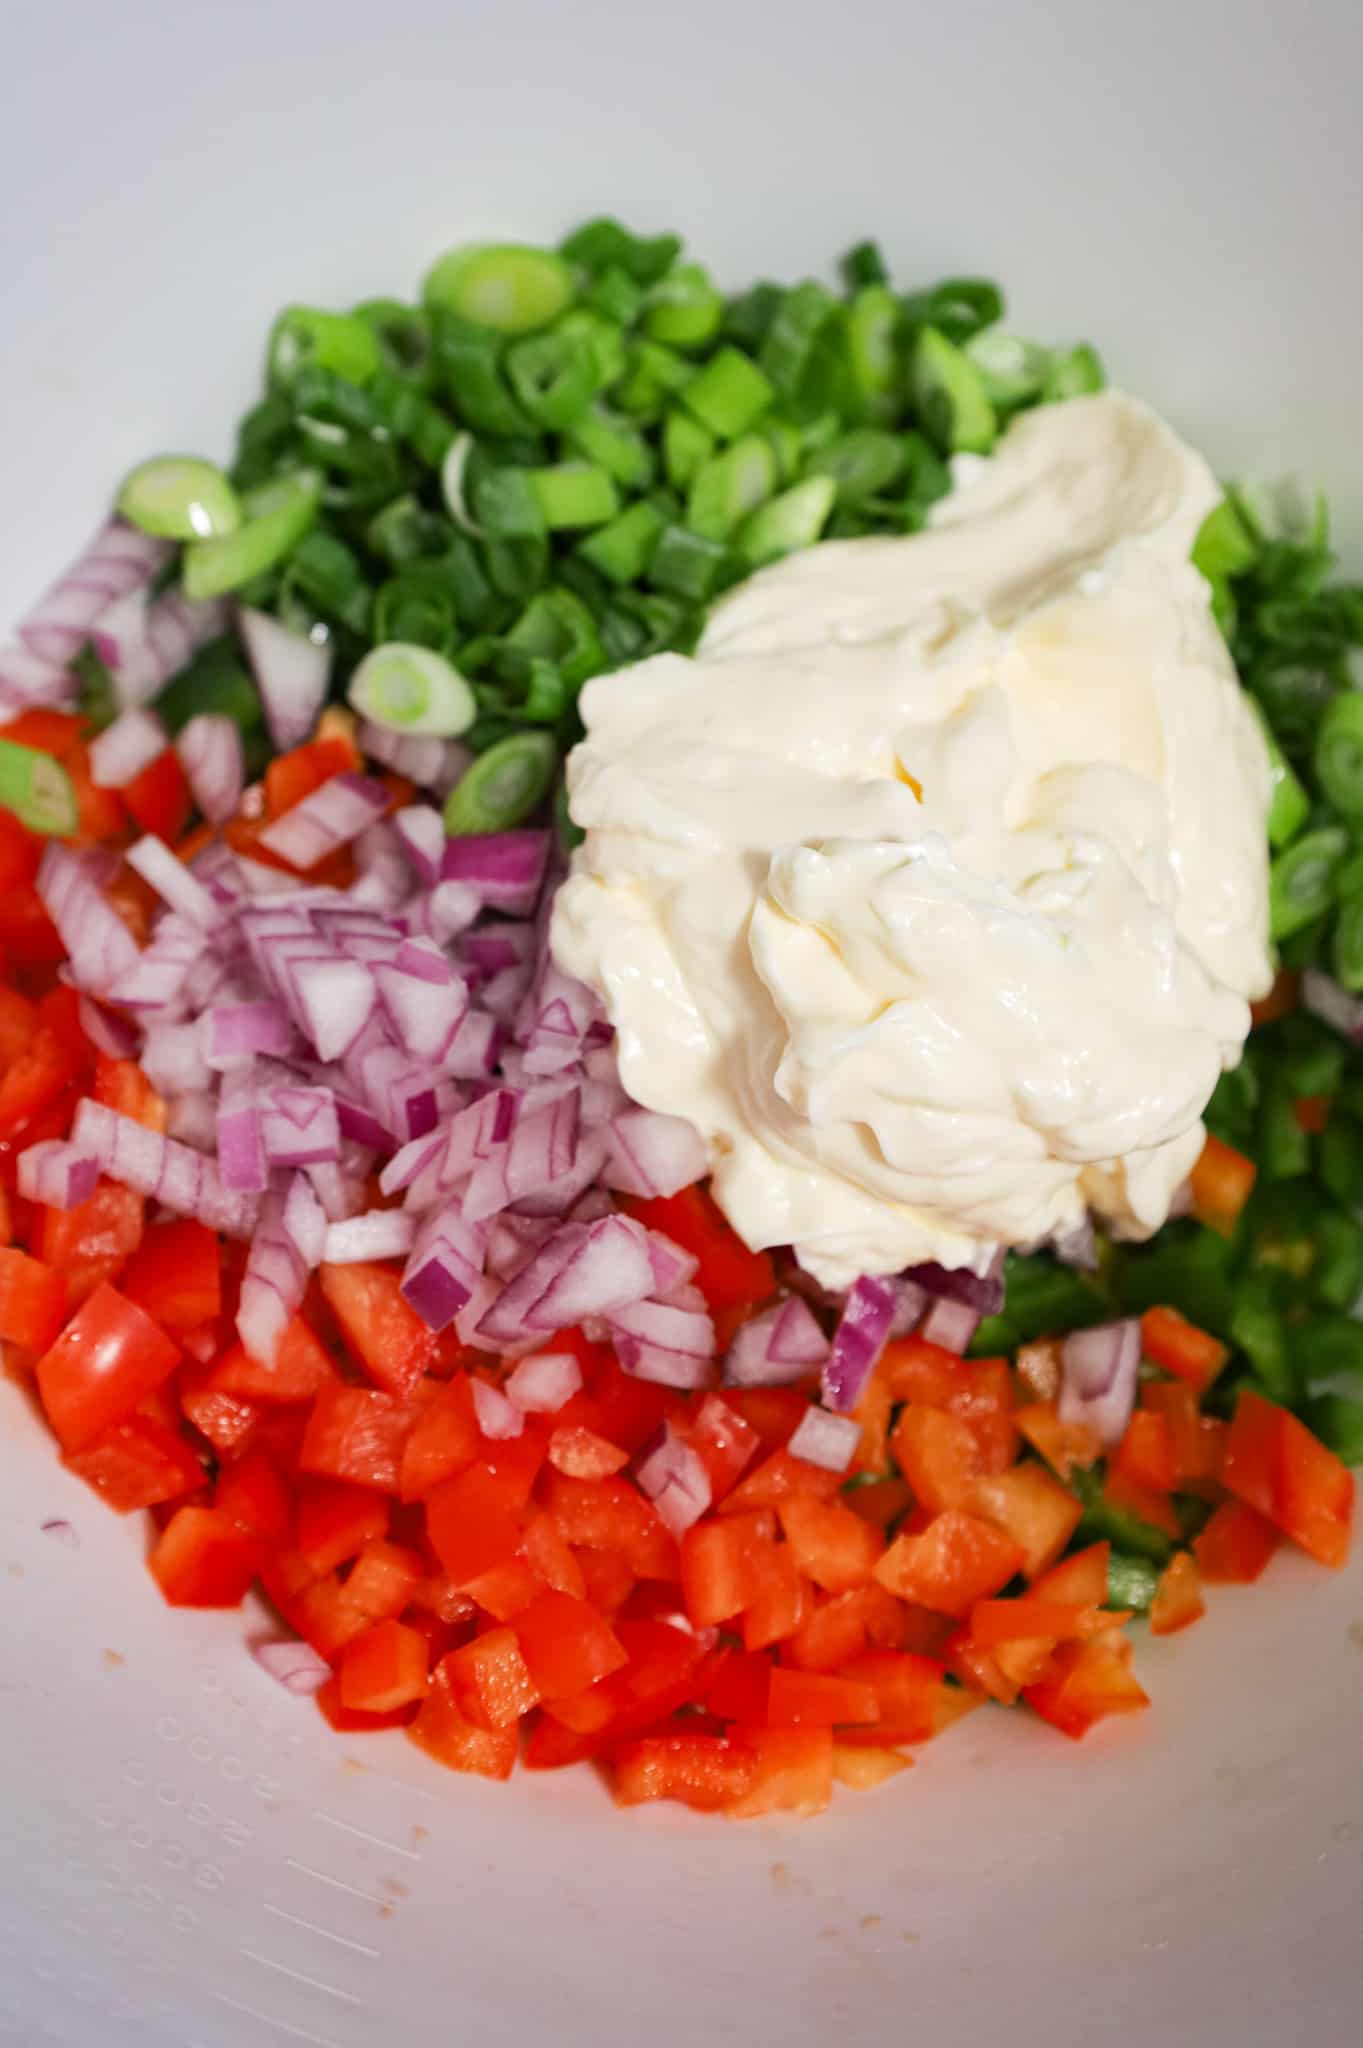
[299,1126]
[506,868]
[672,1267]
[781,1346]
[304,1221]
[241,1143]
[858,1342]
[910,1300]
[173,1174]
[193,1119]
[120,753]
[339,1193]
[378,1234]
[1099,1371]
[673,1476]
[498,1418]
[151,858]
[57,1174]
[272,1285]
[1077,1247]
[981,1291]
[109,1033]
[445,1267]
[652,1154]
[952,1324]
[494,947]
[445,911]
[236,1032]
[423,840]
[672,1346]
[25,680]
[172,1059]
[326,820]
[295,1665]
[824,1439]
[291,672]
[545,1382]
[1334,1005]
[410,1160]
[120,558]
[425,1013]
[143,640]
[334,999]
[429,762]
[101,947]
[211,754]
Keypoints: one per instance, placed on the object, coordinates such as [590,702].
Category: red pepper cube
[108,1359]
[566,1644]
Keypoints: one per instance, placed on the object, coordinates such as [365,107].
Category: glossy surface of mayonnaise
[933,889]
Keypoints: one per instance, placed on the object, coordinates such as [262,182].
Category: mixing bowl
[189,1857]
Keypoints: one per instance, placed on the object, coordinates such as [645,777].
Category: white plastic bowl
[189,1857]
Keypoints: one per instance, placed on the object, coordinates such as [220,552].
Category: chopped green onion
[1103,1521]
[278,514]
[1224,545]
[309,337]
[505,285]
[729,486]
[453,480]
[686,445]
[179,497]
[684,309]
[1331,1347]
[1339,1158]
[404,531]
[729,394]
[748,317]
[864,264]
[469,361]
[1339,754]
[417,606]
[861,464]
[604,245]
[793,520]
[554,376]
[1075,375]
[1014,371]
[216,679]
[1257,1328]
[654,375]
[503,786]
[507,504]
[957,307]
[410,689]
[1347,944]
[787,444]
[1131,1582]
[556,626]
[331,577]
[574,494]
[616,295]
[950,394]
[1289,806]
[623,550]
[1284,1150]
[613,444]
[38,790]
[1301,880]
[685,564]
[800,318]
[402,335]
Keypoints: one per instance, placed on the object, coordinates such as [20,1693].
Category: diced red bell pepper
[108,1359]
[552,1746]
[202,1559]
[251,1492]
[781,1604]
[1170,1341]
[582,1454]
[551,1558]
[384,1579]
[1031,1505]
[474,1522]
[721,1566]
[358,1434]
[1286,1474]
[291,777]
[385,1334]
[176,1275]
[915,1370]
[793,1773]
[1146,1456]
[445,1439]
[1080,1580]
[1143,1501]
[353,1720]
[1064,1445]
[34,1080]
[333,1521]
[1221,1182]
[121,1085]
[384,1669]
[21,851]
[1088,1682]
[957,1560]
[779,1478]
[566,1644]
[90,1243]
[774,1412]
[608,1579]
[1178,1597]
[18,1017]
[707,1772]
[915,1700]
[506,1589]
[832,1546]
[1235,1545]
[881,1502]
[1195,1437]
[728,1275]
[158,799]
[446,1734]
[816,1699]
[863,1769]
[723,1441]
[843,1625]
[138,1463]
[939,1455]
[32,1301]
[611,1514]
[491,1681]
[225,1419]
[1033,1619]
[301,1367]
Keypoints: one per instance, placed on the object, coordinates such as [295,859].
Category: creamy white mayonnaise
[933,889]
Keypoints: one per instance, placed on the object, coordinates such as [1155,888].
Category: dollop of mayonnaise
[932,891]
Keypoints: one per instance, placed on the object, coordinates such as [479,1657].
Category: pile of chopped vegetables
[327,1233]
